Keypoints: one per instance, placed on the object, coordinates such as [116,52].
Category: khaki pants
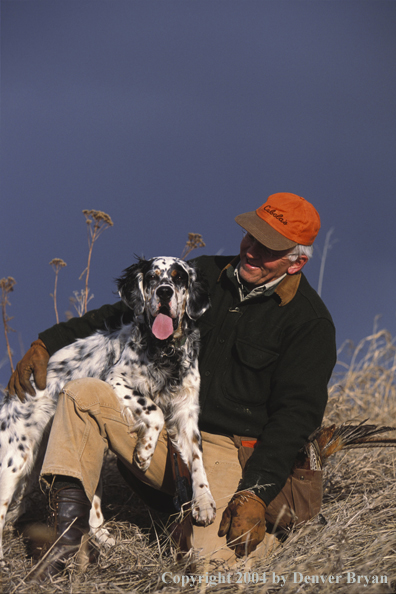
[89,420]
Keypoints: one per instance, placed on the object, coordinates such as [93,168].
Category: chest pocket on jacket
[254,356]
[248,377]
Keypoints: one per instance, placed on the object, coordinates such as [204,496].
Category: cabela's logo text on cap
[272,212]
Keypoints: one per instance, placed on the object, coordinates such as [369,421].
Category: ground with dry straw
[355,533]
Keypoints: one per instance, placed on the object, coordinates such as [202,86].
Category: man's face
[259,265]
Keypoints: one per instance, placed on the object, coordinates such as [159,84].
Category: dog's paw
[203,509]
[142,460]
[144,451]
[103,537]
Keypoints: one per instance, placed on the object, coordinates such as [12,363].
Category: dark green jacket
[265,364]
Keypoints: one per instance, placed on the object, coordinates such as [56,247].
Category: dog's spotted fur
[157,380]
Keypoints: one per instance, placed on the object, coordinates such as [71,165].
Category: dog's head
[164,289]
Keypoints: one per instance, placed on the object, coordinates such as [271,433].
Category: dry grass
[97,222]
[7,286]
[57,264]
[356,531]
[193,242]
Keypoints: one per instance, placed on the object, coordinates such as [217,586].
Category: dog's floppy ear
[130,286]
[198,295]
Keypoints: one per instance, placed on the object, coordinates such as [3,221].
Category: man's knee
[89,393]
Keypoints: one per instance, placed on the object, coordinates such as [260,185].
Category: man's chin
[252,277]
[249,274]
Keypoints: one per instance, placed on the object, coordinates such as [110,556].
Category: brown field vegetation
[355,533]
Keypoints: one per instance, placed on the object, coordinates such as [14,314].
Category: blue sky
[174,117]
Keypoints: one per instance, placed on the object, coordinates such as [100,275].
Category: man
[267,353]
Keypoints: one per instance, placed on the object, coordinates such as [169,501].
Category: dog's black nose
[165,292]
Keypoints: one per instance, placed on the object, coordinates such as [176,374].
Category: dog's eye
[150,277]
[177,275]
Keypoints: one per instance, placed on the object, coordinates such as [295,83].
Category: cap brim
[263,232]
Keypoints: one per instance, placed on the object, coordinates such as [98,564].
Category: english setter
[151,363]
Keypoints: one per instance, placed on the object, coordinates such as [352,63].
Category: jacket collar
[285,291]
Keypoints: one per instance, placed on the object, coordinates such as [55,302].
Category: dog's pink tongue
[162,327]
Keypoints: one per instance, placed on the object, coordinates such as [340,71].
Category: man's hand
[34,361]
[243,522]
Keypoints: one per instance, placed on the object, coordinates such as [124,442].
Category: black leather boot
[70,508]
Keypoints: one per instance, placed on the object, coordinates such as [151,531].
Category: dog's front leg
[149,421]
[145,417]
[184,433]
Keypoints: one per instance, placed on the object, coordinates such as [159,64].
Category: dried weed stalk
[97,222]
[194,241]
[7,286]
[79,301]
[57,264]
[328,244]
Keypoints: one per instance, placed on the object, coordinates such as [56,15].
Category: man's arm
[108,316]
[296,407]
[35,361]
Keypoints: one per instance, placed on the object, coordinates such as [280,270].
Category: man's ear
[297,265]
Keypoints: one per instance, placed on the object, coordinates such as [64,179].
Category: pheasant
[325,441]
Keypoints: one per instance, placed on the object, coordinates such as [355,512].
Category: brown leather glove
[243,522]
[34,361]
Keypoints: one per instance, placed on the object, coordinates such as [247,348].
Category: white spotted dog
[152,365]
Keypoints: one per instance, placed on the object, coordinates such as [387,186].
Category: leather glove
[34,361]
[243,522]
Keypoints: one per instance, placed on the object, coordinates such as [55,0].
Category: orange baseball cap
[282,222]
